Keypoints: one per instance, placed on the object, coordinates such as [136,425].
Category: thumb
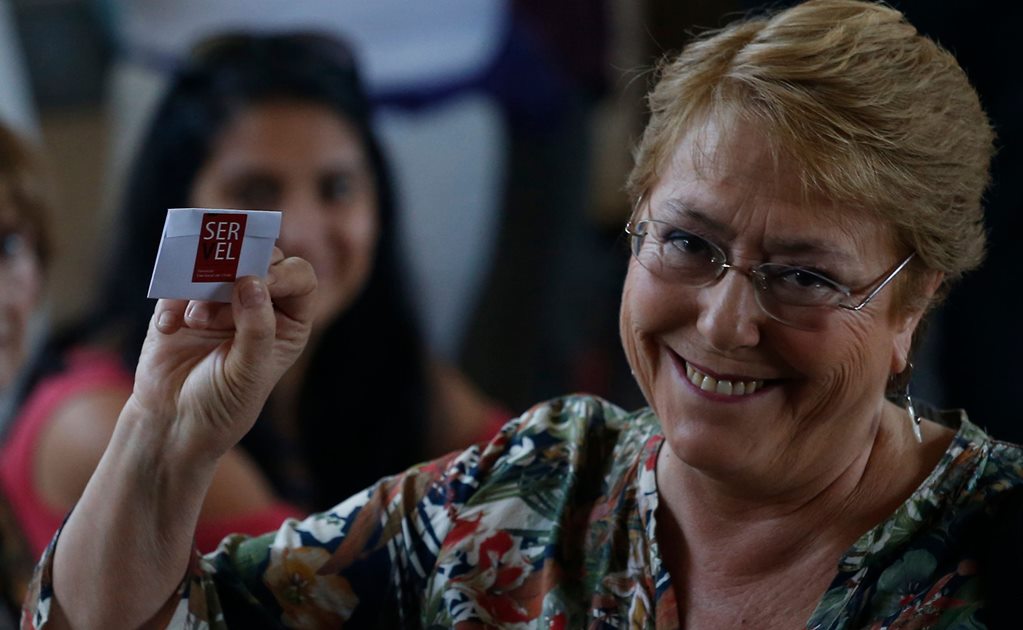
[255,331]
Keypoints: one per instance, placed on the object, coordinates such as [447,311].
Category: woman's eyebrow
[808,246]
[679,210]
[346,167]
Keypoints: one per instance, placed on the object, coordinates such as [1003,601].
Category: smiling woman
[271,122]
[808,186]
[302,157]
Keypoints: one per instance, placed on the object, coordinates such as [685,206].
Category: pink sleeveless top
[88,371]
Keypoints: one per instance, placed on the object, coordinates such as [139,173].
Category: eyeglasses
[796,296]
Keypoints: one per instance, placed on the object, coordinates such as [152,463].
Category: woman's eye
[686,242]
[257,193]
[796,285]
[334,188]
[798,278]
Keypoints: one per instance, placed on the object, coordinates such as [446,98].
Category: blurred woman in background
[262,122]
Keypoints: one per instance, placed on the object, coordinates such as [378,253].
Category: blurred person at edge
[259,122]
[807,187]
[24,253]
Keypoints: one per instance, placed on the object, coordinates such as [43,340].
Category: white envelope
[203,251]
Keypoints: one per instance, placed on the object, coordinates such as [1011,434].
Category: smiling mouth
[722,386]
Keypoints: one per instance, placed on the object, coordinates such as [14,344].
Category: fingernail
[270,278]
[166,320]
[198,312]
[252,294]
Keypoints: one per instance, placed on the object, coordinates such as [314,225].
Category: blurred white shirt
[399,42]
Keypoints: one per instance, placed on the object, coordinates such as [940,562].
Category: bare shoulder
[239,487]
[77,434]
[71,444]
[461,411]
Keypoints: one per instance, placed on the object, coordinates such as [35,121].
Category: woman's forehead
[290,134]
[726,148]
[732,177]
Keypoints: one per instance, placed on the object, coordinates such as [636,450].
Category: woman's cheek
[640,349]
[842,371]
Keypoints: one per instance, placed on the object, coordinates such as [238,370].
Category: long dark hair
[365,382]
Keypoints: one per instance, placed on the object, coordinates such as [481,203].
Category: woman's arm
[461,413]
[239,499]
[202,378]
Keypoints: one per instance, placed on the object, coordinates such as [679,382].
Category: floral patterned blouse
[551,525]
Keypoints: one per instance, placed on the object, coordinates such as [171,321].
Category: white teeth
[726,388]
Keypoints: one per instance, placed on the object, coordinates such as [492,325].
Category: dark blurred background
[535,312]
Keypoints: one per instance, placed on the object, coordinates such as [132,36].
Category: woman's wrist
[139,509]
[159,437]
[156,452]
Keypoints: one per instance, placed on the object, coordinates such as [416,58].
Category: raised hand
[207,368]
[203,376]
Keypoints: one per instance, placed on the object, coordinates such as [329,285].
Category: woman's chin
[331,304]
[720,445]
[714,452]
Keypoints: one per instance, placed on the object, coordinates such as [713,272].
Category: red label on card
[220,243]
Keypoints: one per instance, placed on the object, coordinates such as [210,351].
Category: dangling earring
[900,388]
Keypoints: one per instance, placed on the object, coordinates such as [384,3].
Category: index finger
[169,315]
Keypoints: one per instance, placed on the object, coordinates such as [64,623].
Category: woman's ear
[907,321]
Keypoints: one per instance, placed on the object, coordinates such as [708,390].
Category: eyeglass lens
[791,295]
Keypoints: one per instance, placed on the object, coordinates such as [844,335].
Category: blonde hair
[872,113]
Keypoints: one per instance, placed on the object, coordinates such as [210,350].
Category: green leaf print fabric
[551,525]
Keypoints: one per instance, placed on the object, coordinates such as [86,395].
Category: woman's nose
[730,317]
[303,228]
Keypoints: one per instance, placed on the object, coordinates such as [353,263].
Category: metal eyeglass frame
[755,272]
